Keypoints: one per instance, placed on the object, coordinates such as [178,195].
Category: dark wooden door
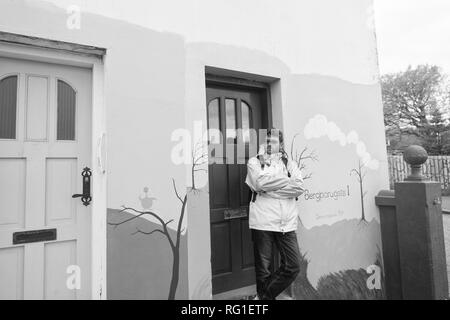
[229,109]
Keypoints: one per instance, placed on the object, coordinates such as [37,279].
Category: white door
[45,142]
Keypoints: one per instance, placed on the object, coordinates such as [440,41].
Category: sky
[412,32]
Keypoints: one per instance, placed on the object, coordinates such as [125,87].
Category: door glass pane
[8,107]
[230,111]
[66,112]
[214,121]
[246,121]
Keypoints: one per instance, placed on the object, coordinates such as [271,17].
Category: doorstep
[236,294]
[244,293]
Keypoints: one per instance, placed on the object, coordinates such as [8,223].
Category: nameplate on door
[235,213]
[34,236]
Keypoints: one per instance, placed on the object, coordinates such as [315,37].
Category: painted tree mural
[173,243]
[302,157]
[360,174]
[199,158]
[345,284]
[302,287]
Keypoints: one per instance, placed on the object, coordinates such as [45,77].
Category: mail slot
[235,213]
[34,236]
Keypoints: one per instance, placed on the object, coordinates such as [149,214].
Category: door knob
[86,196]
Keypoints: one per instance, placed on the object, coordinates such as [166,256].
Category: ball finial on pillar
[415,156]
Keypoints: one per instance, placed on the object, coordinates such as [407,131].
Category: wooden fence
[437,168]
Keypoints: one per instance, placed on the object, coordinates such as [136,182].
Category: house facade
[128,91]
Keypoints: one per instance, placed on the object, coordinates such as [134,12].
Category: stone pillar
[386,202]
[420,232]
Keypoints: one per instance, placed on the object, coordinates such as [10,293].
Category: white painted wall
[323,52]
[325,37]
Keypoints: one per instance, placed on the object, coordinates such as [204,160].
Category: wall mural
[336,258]
[336,244]
[174,243]
[339,260]
[199,158]
[360,175]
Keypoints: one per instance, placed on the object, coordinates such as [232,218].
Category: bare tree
[360,175]
[197,161]
[302,156]
[174,243]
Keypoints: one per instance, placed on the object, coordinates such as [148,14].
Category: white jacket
[275,208]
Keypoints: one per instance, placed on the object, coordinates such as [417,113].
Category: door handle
[86,196]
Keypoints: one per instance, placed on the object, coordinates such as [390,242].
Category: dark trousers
[270,284]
